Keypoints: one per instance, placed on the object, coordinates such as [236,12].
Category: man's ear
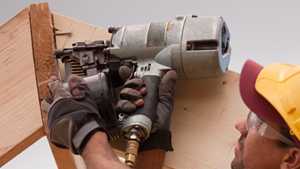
[291,160]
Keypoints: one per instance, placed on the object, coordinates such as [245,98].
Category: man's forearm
[98,154]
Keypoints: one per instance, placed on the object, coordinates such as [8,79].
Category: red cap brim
[254,101]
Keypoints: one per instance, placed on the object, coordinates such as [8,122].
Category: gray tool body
[196,47]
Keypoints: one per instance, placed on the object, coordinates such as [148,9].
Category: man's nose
[241,126]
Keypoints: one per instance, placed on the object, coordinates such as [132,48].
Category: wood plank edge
[24,11]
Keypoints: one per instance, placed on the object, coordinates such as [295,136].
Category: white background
[263,30]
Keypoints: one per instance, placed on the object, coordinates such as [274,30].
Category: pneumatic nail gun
[196,47]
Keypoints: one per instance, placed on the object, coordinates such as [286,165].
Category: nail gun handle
[151,99]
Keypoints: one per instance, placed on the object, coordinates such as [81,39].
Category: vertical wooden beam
[43,47]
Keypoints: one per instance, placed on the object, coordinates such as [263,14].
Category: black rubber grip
[151,99]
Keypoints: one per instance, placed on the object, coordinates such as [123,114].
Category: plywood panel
[203,123]
[20,117]
[69,30]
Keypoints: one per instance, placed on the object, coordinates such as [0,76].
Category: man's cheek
[251,152]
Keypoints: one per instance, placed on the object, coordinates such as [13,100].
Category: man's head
[266,141]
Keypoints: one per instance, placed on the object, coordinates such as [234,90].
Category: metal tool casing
[196,47]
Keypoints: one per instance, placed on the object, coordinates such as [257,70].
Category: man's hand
[132,98]
[72,117]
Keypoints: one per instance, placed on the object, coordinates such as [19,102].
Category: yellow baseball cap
[271,93]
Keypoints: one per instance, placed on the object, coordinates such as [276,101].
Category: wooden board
[203,123]
[20,117]
[70,30]
[45,66]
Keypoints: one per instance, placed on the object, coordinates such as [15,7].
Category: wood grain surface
[20,116]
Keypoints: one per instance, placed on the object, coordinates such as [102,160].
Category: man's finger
[168,83]
[170,77]
[135,83]
[77,86]
[143,90]
[125,106]
[139,103]
[74,81]
[56,88]
[45,105]
[53,84]
[130,94]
